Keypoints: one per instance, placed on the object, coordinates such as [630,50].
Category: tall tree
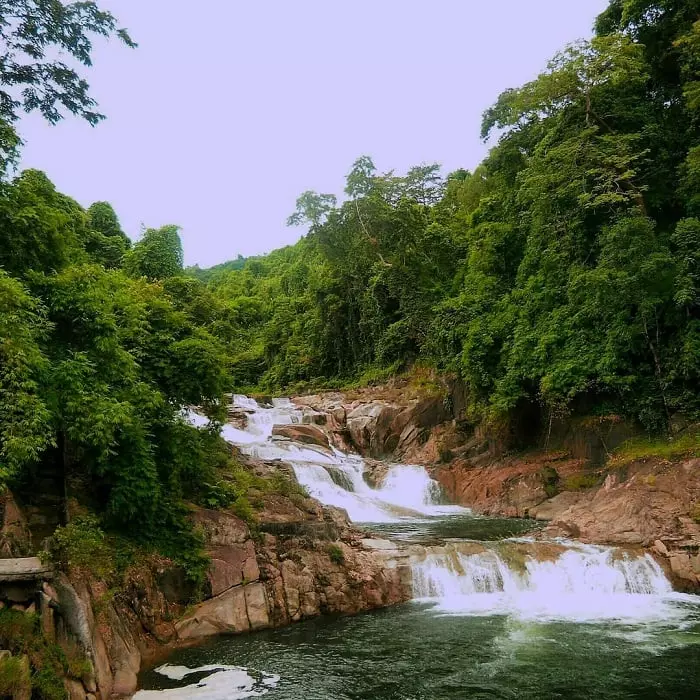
[158,255]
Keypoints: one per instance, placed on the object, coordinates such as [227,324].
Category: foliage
[157,256]
[581,482]
[550,481]
[82,545]
[20,633]
[336,554]
[558,278]
[32,34]
[683,446]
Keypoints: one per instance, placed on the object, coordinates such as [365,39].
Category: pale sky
[228,110]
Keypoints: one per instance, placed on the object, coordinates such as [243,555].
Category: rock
[221,529]
[378,544]
[554,507]
[46,616]
[5,654]
[256,606]
[175,585]
[74,689]
[231,566]
[224,614]
[15,537]
[23,686]
[306,434]
[660,548]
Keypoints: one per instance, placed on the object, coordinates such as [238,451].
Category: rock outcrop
[382,428]
[651,503]
[300,560]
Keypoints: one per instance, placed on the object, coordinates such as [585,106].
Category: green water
[412,653]
[462,526]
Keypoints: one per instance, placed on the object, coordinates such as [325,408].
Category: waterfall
[331,476]
[581,582]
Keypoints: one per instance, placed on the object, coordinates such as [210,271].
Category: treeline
[562,275]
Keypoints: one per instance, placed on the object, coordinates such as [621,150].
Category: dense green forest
[561,276]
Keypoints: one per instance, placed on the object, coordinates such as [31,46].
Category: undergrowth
[20,633]
[670,448]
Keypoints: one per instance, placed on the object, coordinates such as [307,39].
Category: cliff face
[300,560]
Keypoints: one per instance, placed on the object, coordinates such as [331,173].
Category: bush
[14,677]
[550,481]
[20,632]
[82,544]
[336,554]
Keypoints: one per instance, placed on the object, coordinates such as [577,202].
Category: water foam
[580,583]
[222,683]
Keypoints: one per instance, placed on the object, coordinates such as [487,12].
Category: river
[496,614]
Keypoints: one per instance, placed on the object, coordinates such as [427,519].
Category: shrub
[336,554]
[20,632]
[15,680]
[82,544]
[550,481]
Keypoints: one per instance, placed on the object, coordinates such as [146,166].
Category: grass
[14,677]
[581,482]
[682,446]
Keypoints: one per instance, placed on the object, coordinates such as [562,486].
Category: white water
[333,477]
[219,683]
[584,583]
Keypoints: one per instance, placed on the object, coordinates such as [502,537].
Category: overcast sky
[228,110]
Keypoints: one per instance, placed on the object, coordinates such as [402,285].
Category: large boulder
[305,434]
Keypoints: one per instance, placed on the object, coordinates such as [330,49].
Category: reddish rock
[220,528]
[305,434]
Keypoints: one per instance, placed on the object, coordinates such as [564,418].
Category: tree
[311,208]
[158,255]
[107,243]
[32,33]
[24,417]
[40,228]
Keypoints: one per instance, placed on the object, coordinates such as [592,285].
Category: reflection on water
[465,525]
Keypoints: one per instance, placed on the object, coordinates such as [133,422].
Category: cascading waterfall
[521,578]
[333,477]
[579,582]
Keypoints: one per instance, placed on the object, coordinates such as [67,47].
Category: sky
[229,110]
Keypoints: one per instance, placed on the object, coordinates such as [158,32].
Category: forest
[560,277]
